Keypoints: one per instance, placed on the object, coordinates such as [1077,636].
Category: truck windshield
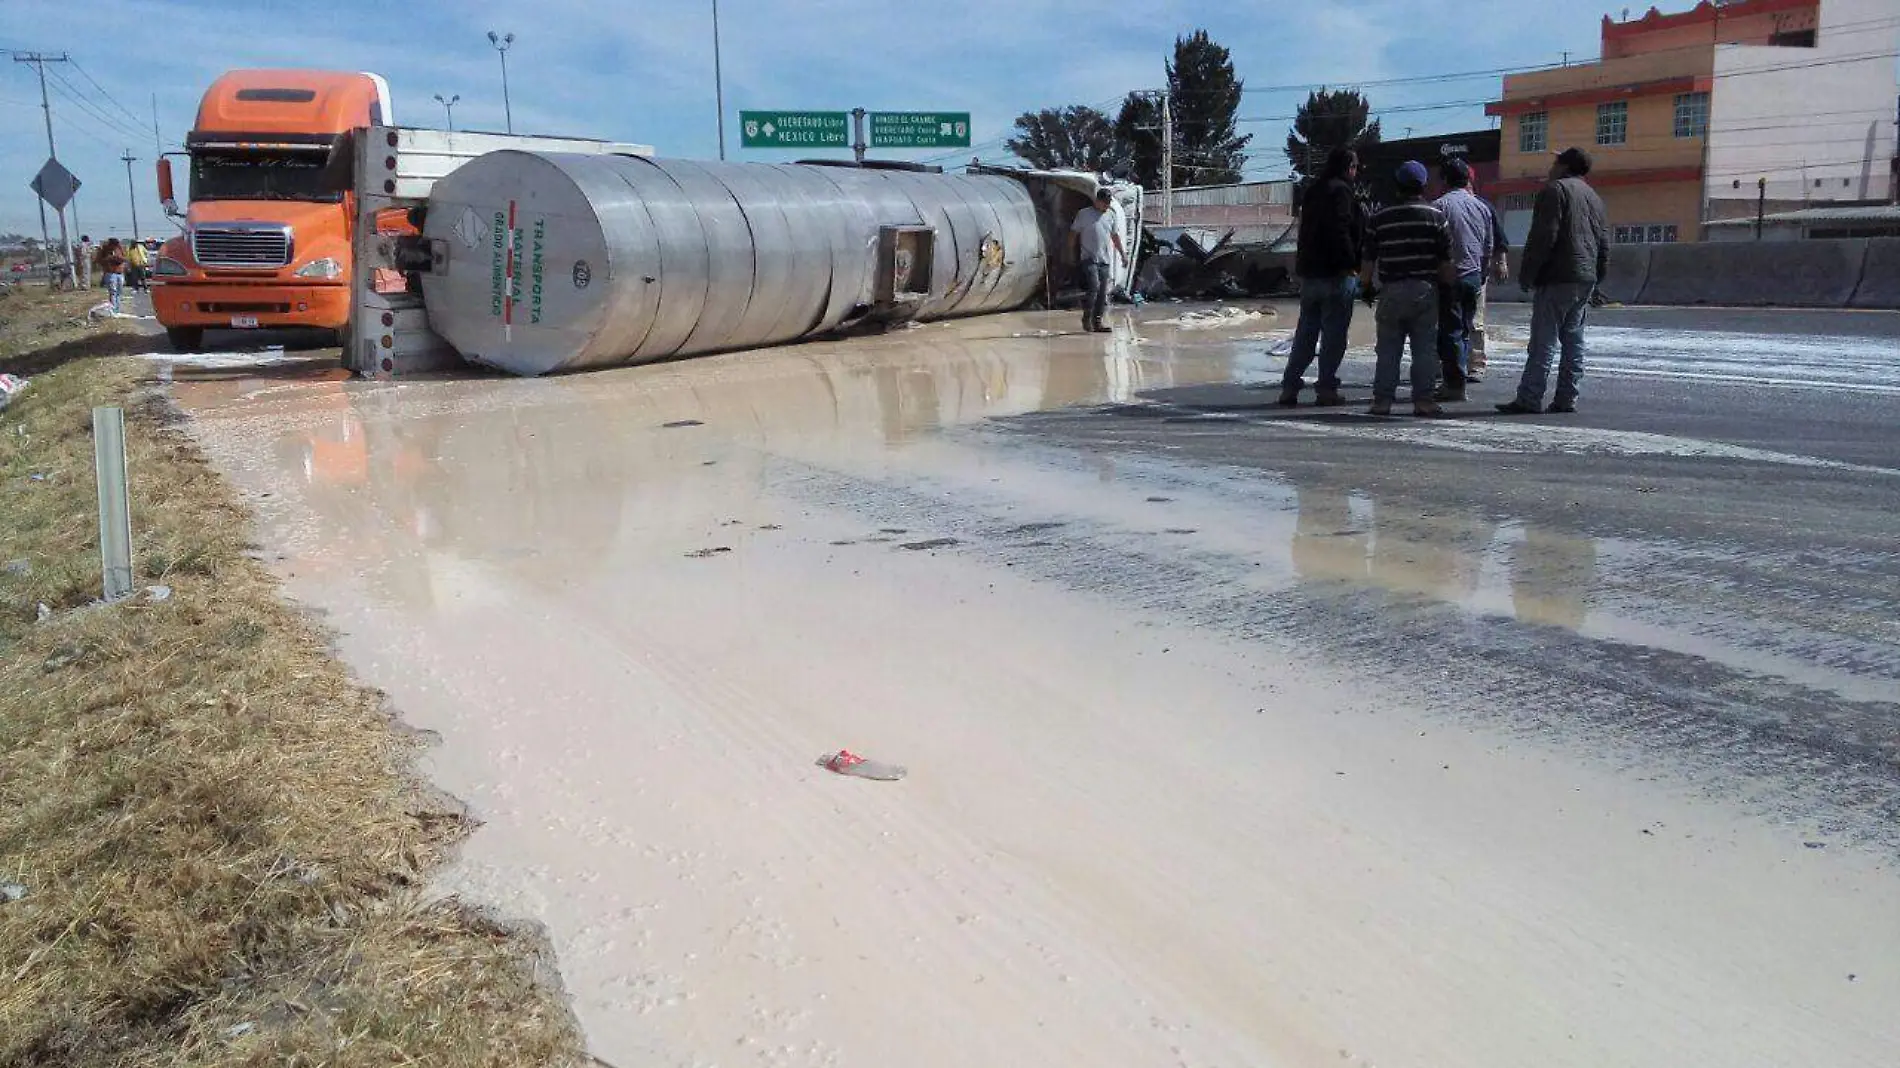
[260,175]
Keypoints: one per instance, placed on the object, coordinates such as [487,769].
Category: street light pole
[449,106]
[719,82]
[502,43]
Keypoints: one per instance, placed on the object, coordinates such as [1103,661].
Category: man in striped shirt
[1410,244]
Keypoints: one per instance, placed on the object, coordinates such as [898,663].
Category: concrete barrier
[1629,270]
[1628,274]
[1880,277]
[1790,274]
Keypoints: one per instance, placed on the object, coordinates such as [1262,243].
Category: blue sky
[642,71]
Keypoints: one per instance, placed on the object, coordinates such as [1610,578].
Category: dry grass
[220,837]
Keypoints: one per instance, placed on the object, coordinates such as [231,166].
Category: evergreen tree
[1329,119]
[1208,150]
[1138,129]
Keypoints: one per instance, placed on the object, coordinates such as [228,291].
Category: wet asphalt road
[1703,564]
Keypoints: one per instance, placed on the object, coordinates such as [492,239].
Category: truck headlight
[323,268]
[166,267]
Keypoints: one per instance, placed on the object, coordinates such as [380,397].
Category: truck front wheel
[185,338]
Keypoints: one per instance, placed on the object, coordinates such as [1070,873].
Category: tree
[1204,96]
[1138,130]
[1071,138]
[1329,119]
[1208,150]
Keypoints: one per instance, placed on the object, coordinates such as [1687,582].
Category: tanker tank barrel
[548,261]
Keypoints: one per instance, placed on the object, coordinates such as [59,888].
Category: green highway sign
[794,129]
[920,129]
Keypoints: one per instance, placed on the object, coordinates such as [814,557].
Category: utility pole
[857,134]
[131,192]
[39,61]
[1761,203]
[719,83]
[502,43]
[157,149]
[1167,159]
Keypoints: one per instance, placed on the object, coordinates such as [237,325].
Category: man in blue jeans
[1566,256]
[1332,235]
[1410,245]
[1472,225]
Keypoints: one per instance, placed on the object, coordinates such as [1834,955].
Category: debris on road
[1205,318]
[10,892]
[701,554]
[10,385]
[845,762]
[678,423]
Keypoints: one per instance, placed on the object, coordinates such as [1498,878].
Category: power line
[91,109]
[136,121]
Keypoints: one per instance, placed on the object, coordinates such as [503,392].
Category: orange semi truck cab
[268,227]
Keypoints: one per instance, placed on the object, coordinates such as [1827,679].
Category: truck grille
[246,246]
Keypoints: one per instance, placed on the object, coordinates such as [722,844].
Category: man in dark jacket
[1566,257]
[1332,234]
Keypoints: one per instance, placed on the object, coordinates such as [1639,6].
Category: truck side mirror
[165,195]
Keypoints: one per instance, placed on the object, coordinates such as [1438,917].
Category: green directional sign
[794,129]
[920,129]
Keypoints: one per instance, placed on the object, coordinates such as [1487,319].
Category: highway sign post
[846,129]
[55,184]
[794,129]
[920,129]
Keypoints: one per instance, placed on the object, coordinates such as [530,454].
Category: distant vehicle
[271,209]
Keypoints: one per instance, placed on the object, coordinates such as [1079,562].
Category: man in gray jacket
[1566,257]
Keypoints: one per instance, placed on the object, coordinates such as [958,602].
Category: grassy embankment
[220,840]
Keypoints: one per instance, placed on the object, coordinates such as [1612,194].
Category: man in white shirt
[1097,243]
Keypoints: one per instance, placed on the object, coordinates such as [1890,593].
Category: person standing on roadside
[1472,227]
[112,270]
[1332,235]
[1411,246]
[1500,271]
[83,260]
[137,260]
[1097,243]
[1566,256]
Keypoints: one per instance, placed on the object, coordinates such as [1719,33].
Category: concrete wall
[1818,126]
[1857,272]
[1880,277]
[1795,274]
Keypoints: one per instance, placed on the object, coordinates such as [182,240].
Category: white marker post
[115,507]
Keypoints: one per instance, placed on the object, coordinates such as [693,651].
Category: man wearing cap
[1472,226]
[1566,256]
[1411,246]
[1096,240]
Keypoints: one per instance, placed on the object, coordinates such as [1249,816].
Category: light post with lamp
[502,43]
[449,106]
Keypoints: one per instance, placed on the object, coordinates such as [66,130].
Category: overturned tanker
[538,261]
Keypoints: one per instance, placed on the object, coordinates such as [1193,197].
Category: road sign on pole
[55,184]
[794,129]
[920,129]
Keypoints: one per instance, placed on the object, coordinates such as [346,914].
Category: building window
[1533,132]
[1692,114]
[1646,234]
[1613,123]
